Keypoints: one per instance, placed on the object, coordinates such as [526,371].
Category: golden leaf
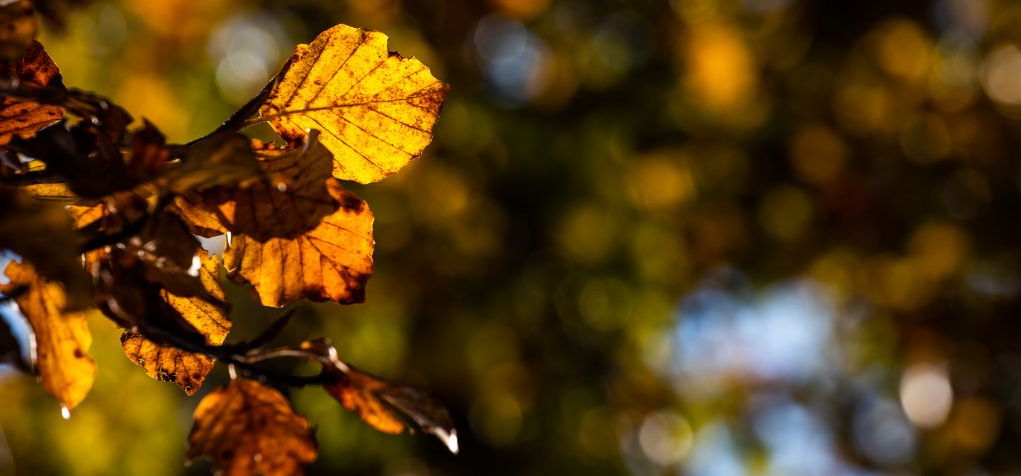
[287,206]
[248,428]
[169,364]
[303,236]
[19,117]
[376,110]
[360,393]
[62,339]
[332,261]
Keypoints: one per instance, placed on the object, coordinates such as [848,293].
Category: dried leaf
[21,117]
[248,428]
[376,110]
[169,364]
[332,262]
[385,407]
[62,339]
[290,202]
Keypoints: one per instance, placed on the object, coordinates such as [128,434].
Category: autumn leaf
[303,237]
[290,202]
[331,262]
[169,364]
[247,429]
[376,110]
[386,407]
[22,117]
[62,339]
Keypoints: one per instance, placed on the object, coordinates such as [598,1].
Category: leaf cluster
[104,214]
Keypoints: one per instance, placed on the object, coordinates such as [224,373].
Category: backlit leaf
[376,110]
[331,262]
[386,407]
[288,203]
[248,429]
[62,339]
[21,117]
[169,364]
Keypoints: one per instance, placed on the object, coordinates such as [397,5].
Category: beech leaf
[62,339]
[22,117]
[169,364]
[331,262]
[376,110]
[248,428]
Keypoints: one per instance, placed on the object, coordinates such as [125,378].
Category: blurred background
[700,237]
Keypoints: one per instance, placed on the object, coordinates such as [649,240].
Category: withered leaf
[288,203]
[62,339]
[42,234]
[22,117]
[170,364]
[376,110]
[331,262]
[18,27]
[386,407]
[247,429]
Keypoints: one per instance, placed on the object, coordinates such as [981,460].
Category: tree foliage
[104,214]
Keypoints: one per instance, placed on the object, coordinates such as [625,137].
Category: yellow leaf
[248,429]
[22,118]
[169,364]
[376,110]
[303,236]
[330,262]
[62,339]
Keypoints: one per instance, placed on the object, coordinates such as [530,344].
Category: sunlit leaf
[62,339]
[21,117]
[169,364]
[288,203]
[376,110]
[248,429]
[331,262]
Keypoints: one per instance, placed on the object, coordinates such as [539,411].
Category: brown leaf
[385,407]
[62,339]
[21,117]
[376,110]
[247,429]
[332,261]
[169,364]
